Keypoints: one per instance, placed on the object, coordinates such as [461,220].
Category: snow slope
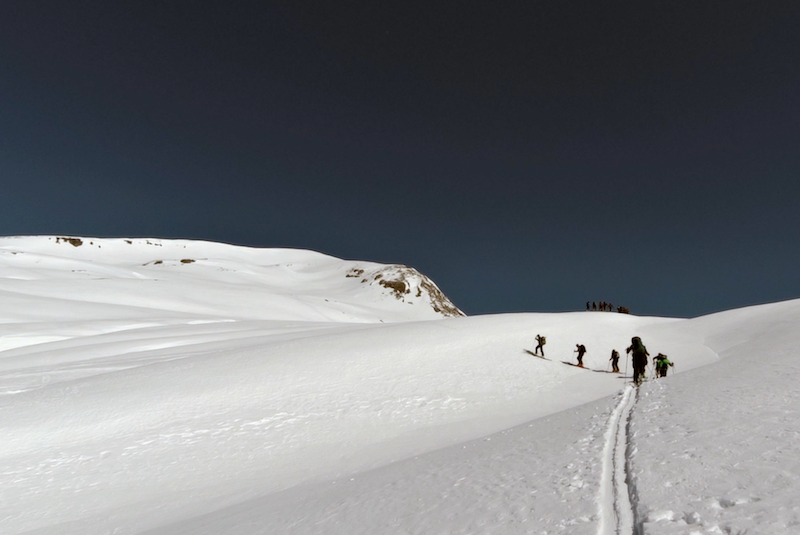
[143,278]
[718,450]
[258,391]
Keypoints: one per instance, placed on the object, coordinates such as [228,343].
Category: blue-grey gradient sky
[527,156]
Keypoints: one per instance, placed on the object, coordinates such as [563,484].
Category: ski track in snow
[615,513]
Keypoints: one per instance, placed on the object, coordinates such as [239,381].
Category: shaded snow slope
[181,412]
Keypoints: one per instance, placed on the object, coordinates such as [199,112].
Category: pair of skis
[529,352]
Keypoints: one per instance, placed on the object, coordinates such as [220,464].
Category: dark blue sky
[528,156]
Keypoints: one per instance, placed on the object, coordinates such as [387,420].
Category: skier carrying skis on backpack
[640,354]
[541,341]
[662,364]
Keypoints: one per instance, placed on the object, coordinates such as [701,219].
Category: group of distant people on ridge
[602,306]
[637,350]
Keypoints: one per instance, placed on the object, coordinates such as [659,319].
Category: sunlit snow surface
[266,391]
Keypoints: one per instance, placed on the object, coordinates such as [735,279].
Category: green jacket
[662,363]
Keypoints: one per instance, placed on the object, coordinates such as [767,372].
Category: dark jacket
[639,353]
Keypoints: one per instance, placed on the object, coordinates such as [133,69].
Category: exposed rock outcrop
[409,286]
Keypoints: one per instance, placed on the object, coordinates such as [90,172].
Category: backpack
[637,345]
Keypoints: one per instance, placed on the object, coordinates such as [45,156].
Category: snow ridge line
[614,504]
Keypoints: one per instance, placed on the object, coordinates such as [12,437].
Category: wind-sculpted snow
[174,398]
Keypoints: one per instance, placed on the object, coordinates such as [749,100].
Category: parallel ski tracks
[614,502]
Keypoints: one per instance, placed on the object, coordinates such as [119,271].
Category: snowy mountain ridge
[258,283]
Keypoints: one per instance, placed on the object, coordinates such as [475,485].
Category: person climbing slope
[662,364]
[614,360]
[581,351]
[639,354]
[541,341]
